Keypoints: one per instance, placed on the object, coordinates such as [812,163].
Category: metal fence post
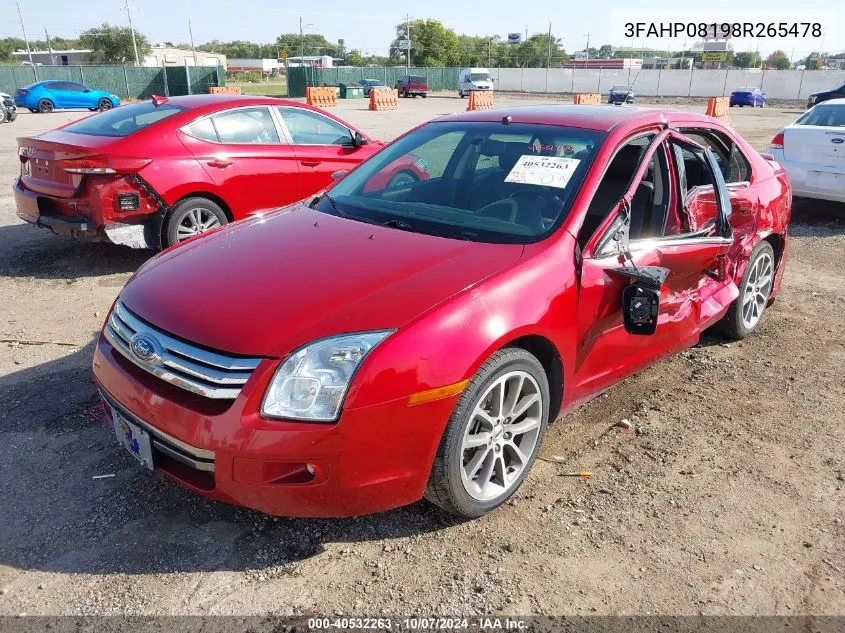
[598,83]
[800,85]
[188,78]
[81,75]
[164,79]
[659,75]
[126,81]
[725,85]
[689,88]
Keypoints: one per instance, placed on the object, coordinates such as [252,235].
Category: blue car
[46,96]
[753,97]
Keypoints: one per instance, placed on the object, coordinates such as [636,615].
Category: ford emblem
[837,140]
[146,349]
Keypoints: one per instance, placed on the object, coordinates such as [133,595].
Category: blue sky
[370,25]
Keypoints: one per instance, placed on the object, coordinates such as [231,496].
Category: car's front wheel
[192,217]
[45,105]
[493,435]
[755,288]
[104,104]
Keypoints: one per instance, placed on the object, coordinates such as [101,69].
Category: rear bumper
[63,217]
[805,182]
[374,458]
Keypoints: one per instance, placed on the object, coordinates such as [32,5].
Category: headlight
[312,382]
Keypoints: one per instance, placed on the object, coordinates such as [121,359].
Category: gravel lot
[728,498]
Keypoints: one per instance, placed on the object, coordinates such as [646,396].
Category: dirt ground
[728,499]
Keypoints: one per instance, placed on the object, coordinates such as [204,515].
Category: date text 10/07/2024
[723,30]
[476,623]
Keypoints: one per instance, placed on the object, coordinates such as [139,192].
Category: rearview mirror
[340,173]
[641,298]
[357,140]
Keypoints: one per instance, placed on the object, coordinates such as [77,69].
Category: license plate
[134,439]
[826,180]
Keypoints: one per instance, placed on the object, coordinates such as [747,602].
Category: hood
[267,285]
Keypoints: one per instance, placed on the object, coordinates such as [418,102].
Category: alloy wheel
[196,221]
[757,288]
[501,435]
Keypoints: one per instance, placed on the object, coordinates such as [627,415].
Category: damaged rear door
[675,256]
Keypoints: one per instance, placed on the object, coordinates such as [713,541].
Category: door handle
[310,163]
[744,210]
[221,163]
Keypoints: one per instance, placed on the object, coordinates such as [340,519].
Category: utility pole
[25,38]
[489,50]
[587,50]
[191,31]
[50,48]
[549,61]
[301,44]
[128,10]
[408,36]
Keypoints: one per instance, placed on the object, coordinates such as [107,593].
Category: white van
[474,79]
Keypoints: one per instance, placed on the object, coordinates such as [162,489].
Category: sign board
[514,38]
[713,57]
[404,45]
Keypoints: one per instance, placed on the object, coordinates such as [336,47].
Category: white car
[812,150]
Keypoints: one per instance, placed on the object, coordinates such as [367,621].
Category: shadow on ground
[56,517]
[31,252]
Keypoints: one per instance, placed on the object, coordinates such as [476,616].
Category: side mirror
[358,139]
[340,173]
[641,298]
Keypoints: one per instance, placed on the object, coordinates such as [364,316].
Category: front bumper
[374,458]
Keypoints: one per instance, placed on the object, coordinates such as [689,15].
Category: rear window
[416,79]
[124,120]
[824,115]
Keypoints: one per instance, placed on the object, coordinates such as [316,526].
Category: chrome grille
[210,374]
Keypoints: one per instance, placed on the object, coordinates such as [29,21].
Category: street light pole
[408,36]
[128,10]
[25,38]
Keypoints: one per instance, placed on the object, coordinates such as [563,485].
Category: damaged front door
[679,232]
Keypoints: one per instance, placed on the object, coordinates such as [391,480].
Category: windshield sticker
[549,171]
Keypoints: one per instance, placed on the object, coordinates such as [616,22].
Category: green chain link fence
[441,78]
[127,82]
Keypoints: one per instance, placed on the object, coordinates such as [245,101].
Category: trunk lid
[818,144]
[41,169]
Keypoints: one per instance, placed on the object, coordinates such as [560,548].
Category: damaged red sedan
[385,343]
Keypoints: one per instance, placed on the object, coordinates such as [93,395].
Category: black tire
[104,104]
[732,325]
[92,109]
[402,178]
[4,116]
[179,213]
[45,106]
[424,95]
[34,110]
[445,487]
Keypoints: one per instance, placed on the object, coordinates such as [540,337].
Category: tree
[113,44]
[306,44]
[605,51]
[432,44]
[747,59]
[779,60]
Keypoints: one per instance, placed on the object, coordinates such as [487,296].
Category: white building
[260,65]
[168,56]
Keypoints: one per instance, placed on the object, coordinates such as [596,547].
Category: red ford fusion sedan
[384,343]
[152,174]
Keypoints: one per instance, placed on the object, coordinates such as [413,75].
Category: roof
[601,118]
[199,101]
[839,102]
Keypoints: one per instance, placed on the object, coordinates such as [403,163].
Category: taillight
[22,92]
[777,141]
[103,165]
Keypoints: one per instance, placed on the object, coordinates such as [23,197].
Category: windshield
[124,120]
[416,79]
[486,182]
[480,77]
[826,115]
[620,88]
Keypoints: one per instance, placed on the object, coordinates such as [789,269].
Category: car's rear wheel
[104,104]
[45,105]
[192,217]
[402,179]
[493,435]
[755,289]
[33,110]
